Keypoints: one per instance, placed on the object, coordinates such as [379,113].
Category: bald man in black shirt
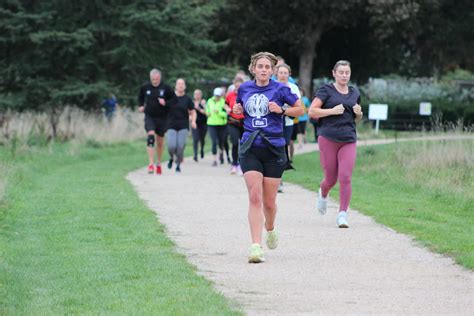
[154,100]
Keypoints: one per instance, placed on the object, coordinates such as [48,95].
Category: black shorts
[157,124]
[294,133]
[263,160]
[302,127]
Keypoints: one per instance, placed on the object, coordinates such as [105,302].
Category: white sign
[425,108]
[378,112]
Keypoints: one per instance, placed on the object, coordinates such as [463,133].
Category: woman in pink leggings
[336,107]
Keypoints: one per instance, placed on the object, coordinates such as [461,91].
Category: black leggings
[217,133]
[235,133]
[199,136]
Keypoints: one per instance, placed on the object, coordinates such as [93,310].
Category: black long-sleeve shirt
[149,95]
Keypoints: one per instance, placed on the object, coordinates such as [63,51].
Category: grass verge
[424,189]
[76,239]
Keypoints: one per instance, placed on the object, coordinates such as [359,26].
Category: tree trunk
[307,56]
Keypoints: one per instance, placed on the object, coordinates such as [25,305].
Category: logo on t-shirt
[256,107]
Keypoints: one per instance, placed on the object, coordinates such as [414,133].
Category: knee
[150,141]
[330,182]
[344,179]
[269,205]
[160,142]
[255,197]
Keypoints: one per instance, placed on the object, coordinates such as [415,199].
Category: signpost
[378,112]
[425,108]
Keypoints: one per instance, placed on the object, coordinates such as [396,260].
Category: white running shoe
[233,170]
[342,220]
[280,188]
[322,203]
[272,239]
[256,254]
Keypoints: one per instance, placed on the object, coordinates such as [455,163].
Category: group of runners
[258,116]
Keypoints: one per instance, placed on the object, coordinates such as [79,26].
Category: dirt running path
[317,268]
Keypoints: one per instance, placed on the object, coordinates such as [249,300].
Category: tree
[298,25]
[56,53]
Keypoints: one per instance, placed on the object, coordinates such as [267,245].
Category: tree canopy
[56,53]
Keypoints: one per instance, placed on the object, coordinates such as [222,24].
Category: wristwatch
[284,108]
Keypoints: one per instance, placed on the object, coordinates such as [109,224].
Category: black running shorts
[157,124]
[263,160]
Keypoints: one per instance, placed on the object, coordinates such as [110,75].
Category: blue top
[109,104]
[255,101]
[290,79]
[338,128]
[306,104]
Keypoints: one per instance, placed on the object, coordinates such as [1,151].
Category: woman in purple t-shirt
[262,152]
[336,106]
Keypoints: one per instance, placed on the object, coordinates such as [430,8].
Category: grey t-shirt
[338,128]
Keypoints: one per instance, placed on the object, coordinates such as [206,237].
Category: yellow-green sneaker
[256,254]
[272,239]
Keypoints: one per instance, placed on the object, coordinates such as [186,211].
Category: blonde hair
[341,63]
[284,66]
[257,56]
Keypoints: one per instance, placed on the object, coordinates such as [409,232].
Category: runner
[235,126]
[336,106]
[302,120]
[154,100]
[199,133]
[179,116]
[216,123]
[283,72]
[262,152]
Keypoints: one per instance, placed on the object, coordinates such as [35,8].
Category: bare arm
[316,111]
[192,118]
[295,110]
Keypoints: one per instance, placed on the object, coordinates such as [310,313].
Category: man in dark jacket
[154,100]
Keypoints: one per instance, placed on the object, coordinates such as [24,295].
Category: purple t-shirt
[338,128]
[257,115]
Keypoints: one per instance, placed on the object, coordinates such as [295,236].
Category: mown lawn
[424,189]
[76,239]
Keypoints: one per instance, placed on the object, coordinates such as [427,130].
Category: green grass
[76,239]
[424,189]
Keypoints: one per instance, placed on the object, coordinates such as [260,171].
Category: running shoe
[214,163]
[158,169]
[151,169]
[170,163]
[342,220]
[229,161]
[202,154]
[233,170]
[239,171]
[221,158]
[256,254]
[178,169]
[322,203]
[195,158]
[280,188]
[272,239]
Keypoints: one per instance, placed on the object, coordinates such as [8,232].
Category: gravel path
[317,268]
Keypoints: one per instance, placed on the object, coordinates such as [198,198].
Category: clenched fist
[338,109]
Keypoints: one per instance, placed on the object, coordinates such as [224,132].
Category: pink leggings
[337,161]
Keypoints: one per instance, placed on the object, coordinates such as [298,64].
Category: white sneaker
[233,170]
[272,239]
[239,171]
[256,254]
[322,203]
[280,188]
[342,220]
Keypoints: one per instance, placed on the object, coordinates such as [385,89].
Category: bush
[451,104]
